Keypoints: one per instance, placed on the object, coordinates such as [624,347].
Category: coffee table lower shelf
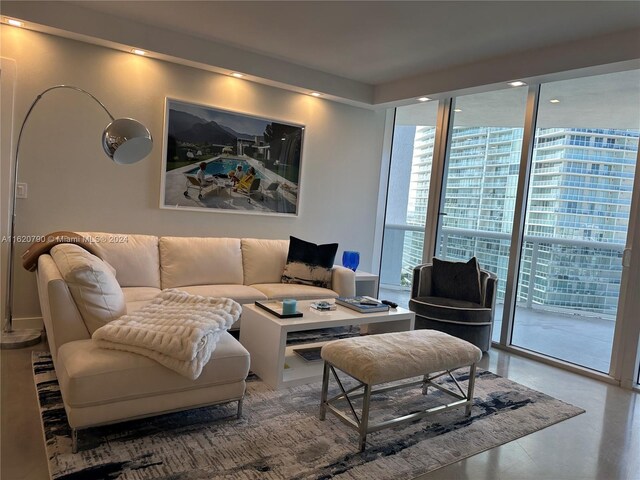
[297,370]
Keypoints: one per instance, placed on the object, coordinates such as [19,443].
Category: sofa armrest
[343,281]
[421,284]
[60,315]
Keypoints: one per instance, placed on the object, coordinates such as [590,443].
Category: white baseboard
[28,322]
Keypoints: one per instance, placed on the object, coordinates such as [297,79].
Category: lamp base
[20,338]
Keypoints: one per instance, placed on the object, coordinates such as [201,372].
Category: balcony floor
[584,340]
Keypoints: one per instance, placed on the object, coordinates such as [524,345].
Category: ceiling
[365,53]
[378,42]
[602,101]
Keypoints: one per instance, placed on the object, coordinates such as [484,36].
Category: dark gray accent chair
[467,320]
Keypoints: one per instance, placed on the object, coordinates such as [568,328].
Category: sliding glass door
[480,180]
[407,198]
[577,217]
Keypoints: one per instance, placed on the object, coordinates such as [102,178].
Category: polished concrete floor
[603,443]
[580,338]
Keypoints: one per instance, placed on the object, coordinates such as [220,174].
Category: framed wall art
[221,161]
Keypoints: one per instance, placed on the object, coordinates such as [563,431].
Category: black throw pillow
[309,264]
[456,280]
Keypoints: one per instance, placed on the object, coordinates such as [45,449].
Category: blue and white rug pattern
[280,436]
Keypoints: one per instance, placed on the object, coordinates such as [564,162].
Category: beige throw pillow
[92,284]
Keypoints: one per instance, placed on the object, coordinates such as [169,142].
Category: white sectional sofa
[101,386]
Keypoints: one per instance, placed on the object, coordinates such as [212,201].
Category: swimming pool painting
[249,164]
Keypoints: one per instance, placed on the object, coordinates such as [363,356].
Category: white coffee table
[265,336]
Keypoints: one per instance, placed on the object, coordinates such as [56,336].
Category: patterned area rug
[280,436]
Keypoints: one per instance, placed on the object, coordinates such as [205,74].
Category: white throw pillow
[92,284]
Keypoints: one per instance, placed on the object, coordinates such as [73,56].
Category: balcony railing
[547,280]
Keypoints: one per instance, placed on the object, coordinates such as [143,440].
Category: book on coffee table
[275,308]
[363,304]
[310,354]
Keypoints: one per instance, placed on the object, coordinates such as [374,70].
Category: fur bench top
[387,357]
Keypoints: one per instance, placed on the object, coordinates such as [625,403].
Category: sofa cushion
[135,257]
[200,261]
[239,293]
[92,284]
[138,297]
[456,280]
[90,375]
[138,294]
[308,263]
[280,291]
[263,261]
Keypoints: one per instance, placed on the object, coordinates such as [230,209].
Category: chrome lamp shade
[126,141]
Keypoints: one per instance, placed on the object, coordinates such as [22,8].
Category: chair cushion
[449,310]
[309,264]
[90,375]
[92,284]
[263,260]
[456,280]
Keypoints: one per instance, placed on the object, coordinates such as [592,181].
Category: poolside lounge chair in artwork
[272,190]
[245,182]
[194,183]
[251,189]
[292,189]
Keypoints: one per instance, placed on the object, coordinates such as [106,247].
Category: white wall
[73,186]
[7,82]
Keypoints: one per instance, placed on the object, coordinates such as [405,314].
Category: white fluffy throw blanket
[176,329]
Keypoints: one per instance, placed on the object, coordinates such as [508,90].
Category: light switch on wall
[21,190]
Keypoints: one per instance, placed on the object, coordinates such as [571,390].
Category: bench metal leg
[425,384]
[239,414]
[361,424]
[472,382]
[364,420]
[325,391]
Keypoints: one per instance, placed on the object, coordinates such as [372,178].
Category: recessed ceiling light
[14,23]
[424,99]
[554,100]
[315,94]
[137,51]
[517,83]
[237,75]
[457,109]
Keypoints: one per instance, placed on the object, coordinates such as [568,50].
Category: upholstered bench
[390,357]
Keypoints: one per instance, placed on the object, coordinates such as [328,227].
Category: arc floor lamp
[125,141]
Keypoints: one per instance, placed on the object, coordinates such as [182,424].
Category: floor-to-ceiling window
[586,145]
[408,193]
[480,180]
[564,261]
